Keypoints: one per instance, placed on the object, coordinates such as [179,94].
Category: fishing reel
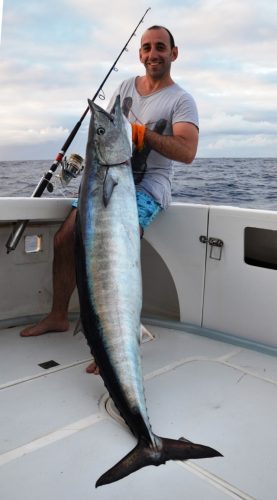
[71,168]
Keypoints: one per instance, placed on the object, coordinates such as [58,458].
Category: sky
[55,54]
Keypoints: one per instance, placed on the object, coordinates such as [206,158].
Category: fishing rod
[19,226]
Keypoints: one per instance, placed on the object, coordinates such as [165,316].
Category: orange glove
[138,132]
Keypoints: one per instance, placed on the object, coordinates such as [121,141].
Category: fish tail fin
[183,449]
[144,454]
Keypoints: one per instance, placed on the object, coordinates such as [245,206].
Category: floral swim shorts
[148,208]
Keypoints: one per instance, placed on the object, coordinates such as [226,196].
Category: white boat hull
[184,279]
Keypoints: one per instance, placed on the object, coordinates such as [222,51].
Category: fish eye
[100,131]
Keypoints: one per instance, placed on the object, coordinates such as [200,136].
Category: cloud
[223,134]
[222,123]
[1,17]
[30,136]
[236,146]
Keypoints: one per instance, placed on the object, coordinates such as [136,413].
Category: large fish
[109,287]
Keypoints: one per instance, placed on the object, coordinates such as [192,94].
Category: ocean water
[241,182]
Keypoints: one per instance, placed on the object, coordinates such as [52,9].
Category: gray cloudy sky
[54,55]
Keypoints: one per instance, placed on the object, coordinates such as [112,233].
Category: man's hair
[157,27]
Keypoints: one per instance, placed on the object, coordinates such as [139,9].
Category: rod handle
[16,234]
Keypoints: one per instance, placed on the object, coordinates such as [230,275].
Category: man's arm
[181,146]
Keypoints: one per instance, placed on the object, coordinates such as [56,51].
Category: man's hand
[138,132]
[139,157]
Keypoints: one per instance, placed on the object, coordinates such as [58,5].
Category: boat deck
[60,432]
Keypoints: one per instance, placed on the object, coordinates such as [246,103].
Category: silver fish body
[109,286]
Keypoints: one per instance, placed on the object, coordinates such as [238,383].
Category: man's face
[156,54]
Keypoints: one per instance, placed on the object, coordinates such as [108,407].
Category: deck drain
[48,364]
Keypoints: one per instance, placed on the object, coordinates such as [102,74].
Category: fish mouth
[102,111]
[108,115]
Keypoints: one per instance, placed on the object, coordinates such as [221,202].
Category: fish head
[110,135]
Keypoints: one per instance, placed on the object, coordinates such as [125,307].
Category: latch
[216,245]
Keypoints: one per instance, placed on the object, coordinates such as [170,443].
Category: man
[153,104]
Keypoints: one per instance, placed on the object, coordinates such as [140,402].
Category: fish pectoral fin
[144,454]
[108,186]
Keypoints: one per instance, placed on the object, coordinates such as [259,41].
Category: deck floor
[57,437]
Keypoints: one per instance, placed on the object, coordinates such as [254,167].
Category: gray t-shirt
[172,104]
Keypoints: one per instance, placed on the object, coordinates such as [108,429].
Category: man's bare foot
[46,325]
[93,368]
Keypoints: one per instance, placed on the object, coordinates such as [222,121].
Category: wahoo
[109,286]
